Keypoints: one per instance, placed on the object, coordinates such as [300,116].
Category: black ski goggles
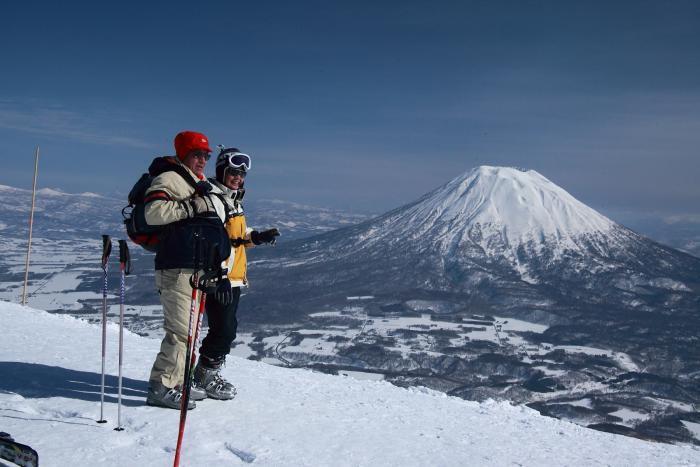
[240,161]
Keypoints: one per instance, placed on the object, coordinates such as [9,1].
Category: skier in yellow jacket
[232,166]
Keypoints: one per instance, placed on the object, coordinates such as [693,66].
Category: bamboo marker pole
[31,225]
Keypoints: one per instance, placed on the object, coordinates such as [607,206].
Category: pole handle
[124,257]
[106,249]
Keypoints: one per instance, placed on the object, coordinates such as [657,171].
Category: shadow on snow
[34,381]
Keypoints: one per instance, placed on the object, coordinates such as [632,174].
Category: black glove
[203,188]
[206,282]
[266,236]
[224,293]
[214,282]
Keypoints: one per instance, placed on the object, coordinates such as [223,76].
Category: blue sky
[361,105]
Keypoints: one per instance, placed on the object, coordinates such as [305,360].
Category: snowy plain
[49,399]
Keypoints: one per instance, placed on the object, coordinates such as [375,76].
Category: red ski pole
[195,341]
[186,383]
[188,355]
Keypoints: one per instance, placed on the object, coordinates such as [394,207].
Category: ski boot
[197,393]
[171,398]
[207,378]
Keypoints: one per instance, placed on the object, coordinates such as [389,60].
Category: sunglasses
[201,155]
[238,160]
[234,172]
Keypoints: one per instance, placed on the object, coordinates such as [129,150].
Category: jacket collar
[235,195]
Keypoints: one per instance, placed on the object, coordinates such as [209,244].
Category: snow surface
[51,192]
[694,428]
[49,399]
[630,417]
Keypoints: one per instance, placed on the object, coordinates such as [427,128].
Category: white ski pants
[176,297]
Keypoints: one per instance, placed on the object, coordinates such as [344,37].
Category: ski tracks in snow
[246,457]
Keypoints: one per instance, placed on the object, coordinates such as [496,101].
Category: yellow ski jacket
[238,233]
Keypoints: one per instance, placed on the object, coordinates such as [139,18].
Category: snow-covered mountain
[60,215]
[501,214]
[488,229]
[296,220]
[496,205]
[50,400]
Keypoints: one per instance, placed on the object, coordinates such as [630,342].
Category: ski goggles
[238,160]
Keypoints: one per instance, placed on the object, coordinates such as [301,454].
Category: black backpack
[138,230]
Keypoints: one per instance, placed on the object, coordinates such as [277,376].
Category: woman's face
[234,178]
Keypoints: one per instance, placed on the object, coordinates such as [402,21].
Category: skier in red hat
[183,207]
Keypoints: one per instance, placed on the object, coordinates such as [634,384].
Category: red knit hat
[187,141]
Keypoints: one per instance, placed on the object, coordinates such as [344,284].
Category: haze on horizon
[361,106]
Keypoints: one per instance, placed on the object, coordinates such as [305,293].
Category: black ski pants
[222,326]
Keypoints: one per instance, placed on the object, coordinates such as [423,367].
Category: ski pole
[195,340]
[215,263]
[189,370]
[184,402]
[106,250]
[31,226]
[125,268]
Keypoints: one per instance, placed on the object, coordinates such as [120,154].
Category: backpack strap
[228,209]
[170,164]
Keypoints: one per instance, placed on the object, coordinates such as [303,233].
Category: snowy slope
[49,399]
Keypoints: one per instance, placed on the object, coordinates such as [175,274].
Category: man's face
[196,160]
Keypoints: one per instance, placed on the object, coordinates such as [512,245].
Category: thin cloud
[61,123]
[683,218]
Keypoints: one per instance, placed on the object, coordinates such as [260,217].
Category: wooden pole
[31,225]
